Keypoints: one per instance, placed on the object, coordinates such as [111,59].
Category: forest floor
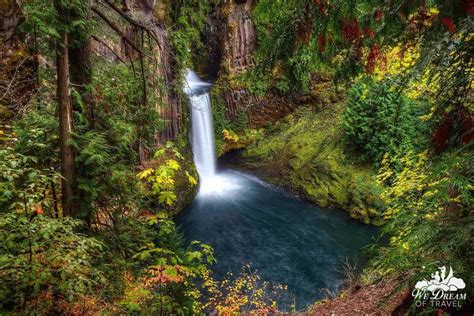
[373,299]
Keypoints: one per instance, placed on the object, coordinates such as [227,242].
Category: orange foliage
[162,274]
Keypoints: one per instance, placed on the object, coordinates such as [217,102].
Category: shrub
[45,265]
[379,120]
[429,208]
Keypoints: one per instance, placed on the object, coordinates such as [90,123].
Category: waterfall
[202,132]
[202,138]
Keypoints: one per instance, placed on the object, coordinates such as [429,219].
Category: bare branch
[108,47]
[132,21]
[118,31]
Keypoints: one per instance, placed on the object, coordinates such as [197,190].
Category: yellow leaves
[426,118]
[398,60]
[230,136]
[410,181]
[192,180]
[167,197]
[173,164]
[429,216]
[238,293]
[405,246]
[162,181]
[145,173]
[428,194]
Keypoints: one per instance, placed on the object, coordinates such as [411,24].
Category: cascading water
[202,135]
[202,130]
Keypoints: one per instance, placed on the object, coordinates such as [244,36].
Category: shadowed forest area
[123,124]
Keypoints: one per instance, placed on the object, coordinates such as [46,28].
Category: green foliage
[161,180]
[168,282]
[43,257]
[186,36]
[107,153]
[44,23]
[133,258]
[304,152]
[219,117]
[37,131]
[22,183]
[297,38]
[257,83]
[119,93]
[241,121]
[379,120]
[289,35]
[430,214]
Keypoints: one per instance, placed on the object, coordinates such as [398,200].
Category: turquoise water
[286,240]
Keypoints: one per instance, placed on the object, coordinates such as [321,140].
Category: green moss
[219,118]
[305,154]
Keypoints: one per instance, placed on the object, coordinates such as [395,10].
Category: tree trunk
[65,126]
[80,52]
[80,56]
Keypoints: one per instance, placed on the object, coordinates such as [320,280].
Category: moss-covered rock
[304,153]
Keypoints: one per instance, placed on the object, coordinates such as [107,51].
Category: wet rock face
[213,42]
[231,41]
[170,107]
[240,38]
[230,38]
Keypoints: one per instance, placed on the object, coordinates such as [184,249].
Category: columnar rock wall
[169,105]
[233,23]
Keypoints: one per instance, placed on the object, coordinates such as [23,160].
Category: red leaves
[449,24]
[370,33]
[440,135]
[378,15]
[350,30]
[322,42]
[456,125]
[351,33]
[305,30]
[320,5]
[468,7]
[465,119]
[372,58]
